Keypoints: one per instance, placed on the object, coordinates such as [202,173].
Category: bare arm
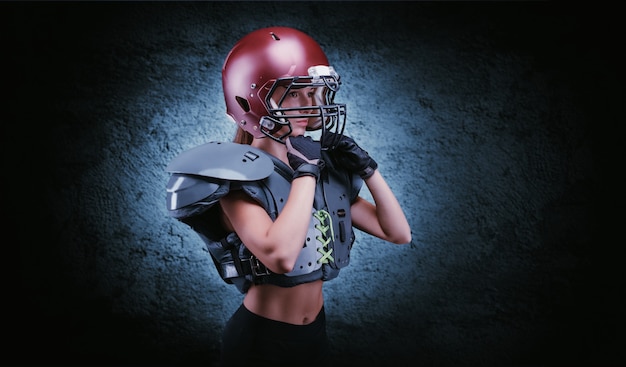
[278,243]
[384,219]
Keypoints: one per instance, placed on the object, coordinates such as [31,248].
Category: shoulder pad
[226,161]
[183,190]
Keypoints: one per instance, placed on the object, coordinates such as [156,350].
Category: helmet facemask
[323,113]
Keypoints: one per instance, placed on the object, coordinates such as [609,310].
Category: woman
[278,85]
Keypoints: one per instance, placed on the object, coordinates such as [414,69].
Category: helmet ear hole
[243,103]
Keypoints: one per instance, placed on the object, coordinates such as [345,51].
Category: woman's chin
[297,131]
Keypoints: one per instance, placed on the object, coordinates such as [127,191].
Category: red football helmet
[274,57]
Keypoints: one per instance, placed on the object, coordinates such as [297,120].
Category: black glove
[304,156]
[348,155]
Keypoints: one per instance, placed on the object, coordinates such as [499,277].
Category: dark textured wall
[484,118]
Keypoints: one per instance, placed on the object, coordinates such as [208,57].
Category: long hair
[242,137]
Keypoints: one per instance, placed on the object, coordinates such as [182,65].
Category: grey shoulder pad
[226,161]
[184,190]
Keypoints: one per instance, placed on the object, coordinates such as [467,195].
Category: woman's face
[301,97]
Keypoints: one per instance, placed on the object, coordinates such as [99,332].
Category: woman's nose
[307,104]
[305,107]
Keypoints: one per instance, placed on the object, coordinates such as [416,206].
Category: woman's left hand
[349,155]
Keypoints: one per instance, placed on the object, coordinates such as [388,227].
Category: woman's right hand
[304,156]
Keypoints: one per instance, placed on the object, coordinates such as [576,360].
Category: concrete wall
[482,116]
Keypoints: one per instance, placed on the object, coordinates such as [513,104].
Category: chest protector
[203,175]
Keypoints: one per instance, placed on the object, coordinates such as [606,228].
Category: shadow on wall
[476,113]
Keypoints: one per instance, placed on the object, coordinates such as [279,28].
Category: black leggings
[252,340]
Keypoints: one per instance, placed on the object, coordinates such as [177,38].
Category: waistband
[277,329]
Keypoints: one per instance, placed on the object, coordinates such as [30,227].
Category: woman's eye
[293,94]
